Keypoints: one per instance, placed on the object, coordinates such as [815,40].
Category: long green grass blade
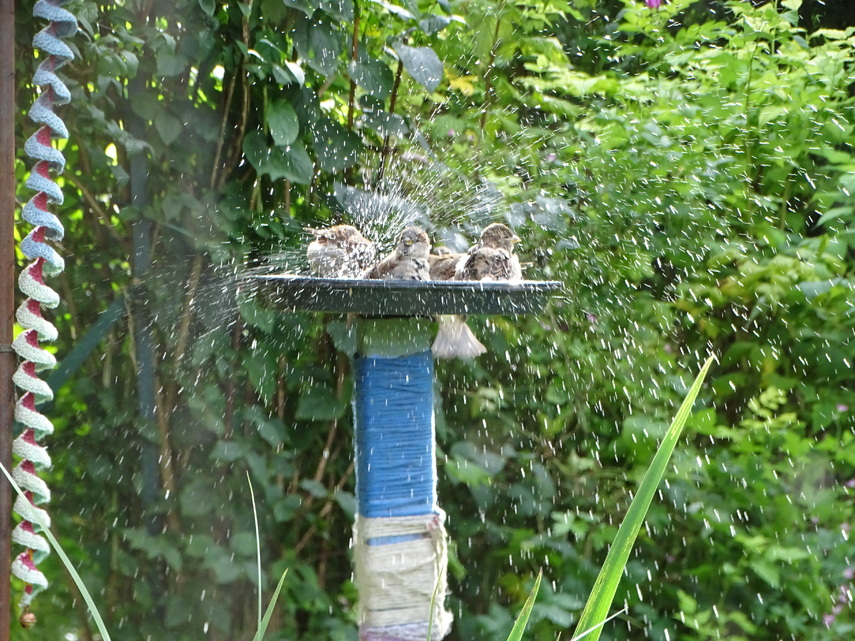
[600,602]
[522,619]
[257,545]
[599,625]
[87,598]
[262,629]
[432,606]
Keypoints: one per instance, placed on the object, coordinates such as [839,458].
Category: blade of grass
[603,593]
[259,635]
[522,619]
[432,605]
[599,625]
[257,545]
[90,603]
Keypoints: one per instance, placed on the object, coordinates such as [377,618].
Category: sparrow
[409,261]
[339,252]
[443,263]
[487,263]
[491,258]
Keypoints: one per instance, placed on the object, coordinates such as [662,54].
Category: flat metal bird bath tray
[405,298]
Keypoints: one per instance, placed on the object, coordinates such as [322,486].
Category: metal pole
[7,296]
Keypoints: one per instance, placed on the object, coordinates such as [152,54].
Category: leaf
[259,635]
[291,73]
[244,543]
[283,122]
[336,148]
[227,452]
[319,41]
[522,619]
[463,84]
[343,336]
[346,502]
[767,571]
[395,10]
[341,9]
[687,604]
[169,63]
[169,127]
[600,601]
[434,24]
[319,404]
[422,64]
[197,499]
[834,213]
[786,554]
[297,71]
[315,488]
[291,162]
[305,6]
[255,149]
[147,106]
[372,75]
[386,124]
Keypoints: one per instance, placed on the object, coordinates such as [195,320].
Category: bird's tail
[455,340]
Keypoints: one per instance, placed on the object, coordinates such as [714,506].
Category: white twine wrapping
[396,581]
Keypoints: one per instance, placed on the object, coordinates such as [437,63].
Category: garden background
[686,171]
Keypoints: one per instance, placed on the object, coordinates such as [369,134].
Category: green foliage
[685,171]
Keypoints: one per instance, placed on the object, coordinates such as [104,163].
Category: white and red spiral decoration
[45,262]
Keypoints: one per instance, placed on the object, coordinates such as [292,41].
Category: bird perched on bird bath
[409,260]
[491,258]
[339,252]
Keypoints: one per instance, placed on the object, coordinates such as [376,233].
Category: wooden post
[7,297]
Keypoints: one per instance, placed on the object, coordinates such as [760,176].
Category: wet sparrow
[491,258]
[339,252]
[409,261]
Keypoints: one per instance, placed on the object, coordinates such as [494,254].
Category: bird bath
[400,541]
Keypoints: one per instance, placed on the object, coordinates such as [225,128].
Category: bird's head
[499,236]
[336,234]
[414,242]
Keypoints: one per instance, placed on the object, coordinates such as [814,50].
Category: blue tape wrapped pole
[395,463]
[399,536]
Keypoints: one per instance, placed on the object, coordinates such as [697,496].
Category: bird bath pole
[400,559]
